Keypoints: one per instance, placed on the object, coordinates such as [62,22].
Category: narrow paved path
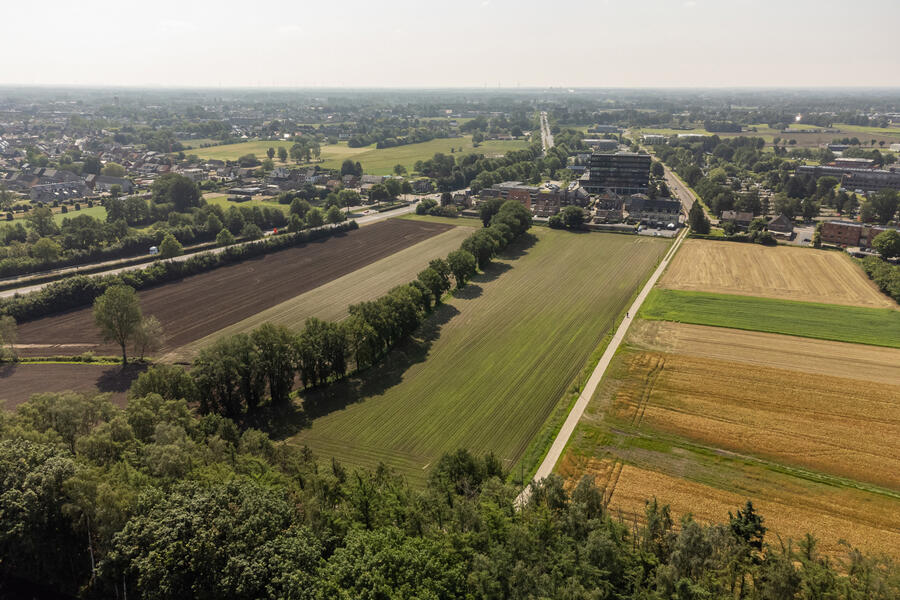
[562,438]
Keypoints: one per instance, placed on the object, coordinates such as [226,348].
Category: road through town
[546,136]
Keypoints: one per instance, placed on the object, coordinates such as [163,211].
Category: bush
[170,247]
[251,231]
[224,238]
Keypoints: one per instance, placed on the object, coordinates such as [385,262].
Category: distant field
[458,221]
[96,211]
[491,365]
[772,272]
[814,452]
[261,201]
[880,327]
[804,140]
[374,161]
[331,300]
[190,145]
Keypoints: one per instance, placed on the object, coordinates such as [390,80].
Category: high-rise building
[622,173]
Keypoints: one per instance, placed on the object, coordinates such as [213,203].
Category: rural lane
[367,220]
[562,438]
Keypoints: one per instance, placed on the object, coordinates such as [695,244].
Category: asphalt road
[546,136]
[366,220]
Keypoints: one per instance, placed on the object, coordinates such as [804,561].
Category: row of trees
[234,375]
[80,290]
[151,501]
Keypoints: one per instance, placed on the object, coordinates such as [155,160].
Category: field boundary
[558,446]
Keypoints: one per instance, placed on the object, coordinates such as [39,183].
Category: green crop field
[331,300]
[373,160]
[458,221]
[490,366]
[879,327]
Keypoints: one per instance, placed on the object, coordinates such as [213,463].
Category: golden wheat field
[822,357]
[781,272]
[790,508]
[835,425]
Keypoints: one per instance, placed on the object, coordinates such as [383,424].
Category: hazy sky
[421,43]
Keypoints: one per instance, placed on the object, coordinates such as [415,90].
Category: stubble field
[772,272]
[490,365]
[705,418]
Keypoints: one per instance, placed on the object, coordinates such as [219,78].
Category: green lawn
[459,221]
[374,161]
[96,211]
[492,364]
[223,201]
[879,327]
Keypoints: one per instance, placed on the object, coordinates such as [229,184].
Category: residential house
[781,226]
[658,211]
[851,233]
[741,218]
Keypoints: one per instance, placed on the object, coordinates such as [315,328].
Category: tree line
[152,501]
[79,290]
[236,374]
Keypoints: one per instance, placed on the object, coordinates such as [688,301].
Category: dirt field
[331,300]
[203,304]
[839,359]
[18,382]
[772,272]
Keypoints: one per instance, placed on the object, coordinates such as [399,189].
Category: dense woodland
[155,502]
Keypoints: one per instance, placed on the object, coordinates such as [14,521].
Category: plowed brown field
[203,304]
[19,381]
[779,272]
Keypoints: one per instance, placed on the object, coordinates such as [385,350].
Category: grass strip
[874,326]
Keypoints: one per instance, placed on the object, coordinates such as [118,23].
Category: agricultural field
[672,419]
[21,380]
[804,140]
[490,365]
[781,272]
[331,300]
[822,357]
[203,304]
[875,326]
[373,160]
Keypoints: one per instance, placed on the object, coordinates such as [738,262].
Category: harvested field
[814,452]
[780,272]
[875,326]
[822,357]
[834,425]
[791,510]
[19,381]
[203,304]
[331,300]
[491,364]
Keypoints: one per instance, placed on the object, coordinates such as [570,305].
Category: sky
[464,43]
